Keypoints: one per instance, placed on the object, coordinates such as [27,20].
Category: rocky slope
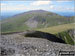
[18,45]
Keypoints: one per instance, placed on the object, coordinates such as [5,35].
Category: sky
[27,5]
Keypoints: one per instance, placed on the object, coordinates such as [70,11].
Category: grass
[52,30]
[60,29]
[66,37]
[57,29]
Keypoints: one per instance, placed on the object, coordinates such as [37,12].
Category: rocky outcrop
[71,32]
[18,45]
[35,21]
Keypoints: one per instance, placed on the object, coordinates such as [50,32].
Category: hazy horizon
[10,8]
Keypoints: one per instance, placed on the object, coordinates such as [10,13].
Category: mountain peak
[38,11]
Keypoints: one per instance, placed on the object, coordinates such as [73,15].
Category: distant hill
[32,20]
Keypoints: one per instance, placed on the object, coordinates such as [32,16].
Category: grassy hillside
[62,32]
[32,20]
[57,29]
[66,37]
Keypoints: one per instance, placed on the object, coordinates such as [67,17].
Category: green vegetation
[57,29]
[66,37]
[43,18]
[62,32]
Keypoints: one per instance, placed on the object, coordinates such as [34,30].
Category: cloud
[17,7]
[64,9]
[2,4]
[51,7]
[71,9]
[38,3]
[64,0]
[11,7]
[6,7]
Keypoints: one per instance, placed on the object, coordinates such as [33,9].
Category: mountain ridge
[33,19]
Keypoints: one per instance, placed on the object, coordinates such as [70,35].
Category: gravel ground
[18,45]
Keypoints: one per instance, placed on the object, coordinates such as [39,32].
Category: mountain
[33,20]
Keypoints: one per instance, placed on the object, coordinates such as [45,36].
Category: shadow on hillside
[39,34]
